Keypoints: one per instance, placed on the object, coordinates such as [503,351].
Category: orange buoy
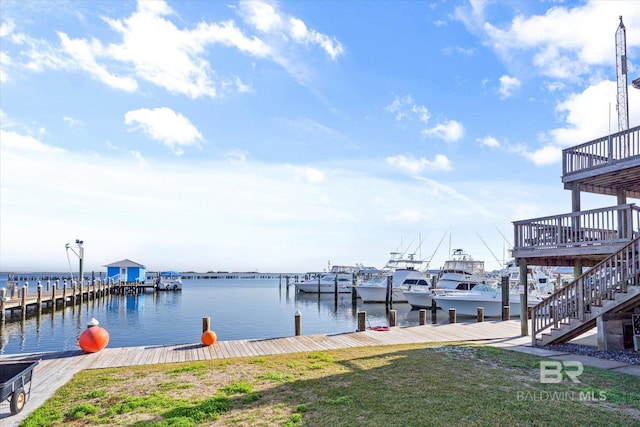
[94,338]
[209,338]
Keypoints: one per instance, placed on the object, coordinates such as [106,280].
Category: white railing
[611,275]
[607,150]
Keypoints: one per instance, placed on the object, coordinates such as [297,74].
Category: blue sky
[281,136]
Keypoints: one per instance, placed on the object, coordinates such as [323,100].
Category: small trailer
[14,377]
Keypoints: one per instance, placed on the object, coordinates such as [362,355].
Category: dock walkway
[57,368]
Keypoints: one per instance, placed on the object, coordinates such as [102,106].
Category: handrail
[603,151]
[597,284]
[610,225]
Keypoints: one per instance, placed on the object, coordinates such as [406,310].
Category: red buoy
[94,338]
[209,338]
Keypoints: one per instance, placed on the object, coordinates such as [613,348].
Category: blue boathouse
[126,271]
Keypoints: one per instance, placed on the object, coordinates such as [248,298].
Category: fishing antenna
[487,246]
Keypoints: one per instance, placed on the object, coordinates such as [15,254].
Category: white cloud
[83,55]
[413,166]
[165,125]
[564,43]
[488,141]
[405,108]
[309,174]
[508,85]
[236,156]
[587,114]
[71,121]
[154,49]
[24,143]
[265,18]
[449,131]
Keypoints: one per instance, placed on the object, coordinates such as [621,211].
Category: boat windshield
[483,287]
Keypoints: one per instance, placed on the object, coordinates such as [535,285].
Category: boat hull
[468,305]
[419,299]
[323,288]
[374,294]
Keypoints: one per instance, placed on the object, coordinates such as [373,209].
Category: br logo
[552,372]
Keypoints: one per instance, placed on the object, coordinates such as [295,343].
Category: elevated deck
[606,165]
[589,236]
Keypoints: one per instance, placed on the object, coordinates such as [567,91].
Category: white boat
[170,280]
[342,275]
[460,273]
[404,272]
[489,297]
[539,280]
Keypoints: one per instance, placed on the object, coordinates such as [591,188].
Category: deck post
[362,321]
[423,316]
[524,323]
[3,296]
[392,318]
[452,315]
[53,296]
[39,297]
[480,314]
[505,294]
[24,299]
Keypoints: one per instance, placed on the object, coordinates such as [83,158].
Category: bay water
[238,309]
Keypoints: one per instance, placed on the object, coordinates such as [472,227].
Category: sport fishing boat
[460,273]
[487,296]
[405,273]
[343,276]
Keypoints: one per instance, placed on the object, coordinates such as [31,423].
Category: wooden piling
[388,299]
[362,321]
[3,297]
[434,311]
[298,323]
[423,316]
[206,324]
[506,312]
[480,314]
[452,315]
[392,318]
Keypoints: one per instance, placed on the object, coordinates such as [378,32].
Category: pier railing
[573,301]
[603,151]
[611,225]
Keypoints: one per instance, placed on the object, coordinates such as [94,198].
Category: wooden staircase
[613,285]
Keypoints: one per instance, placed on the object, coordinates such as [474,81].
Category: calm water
[239,309]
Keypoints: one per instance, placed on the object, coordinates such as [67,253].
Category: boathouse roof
[125,263]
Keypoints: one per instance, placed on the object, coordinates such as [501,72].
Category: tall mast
[621,72]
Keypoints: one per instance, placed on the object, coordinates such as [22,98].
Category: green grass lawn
[409,385]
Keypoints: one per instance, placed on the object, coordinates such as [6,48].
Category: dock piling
[452,315]
[362,321]
[298,323]
[423,316]
[480,314]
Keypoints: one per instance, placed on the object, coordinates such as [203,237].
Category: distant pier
[61,293]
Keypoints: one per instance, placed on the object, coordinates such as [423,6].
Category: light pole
[80,255]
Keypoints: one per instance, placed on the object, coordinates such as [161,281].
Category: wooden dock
[60,295]
[57,368]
